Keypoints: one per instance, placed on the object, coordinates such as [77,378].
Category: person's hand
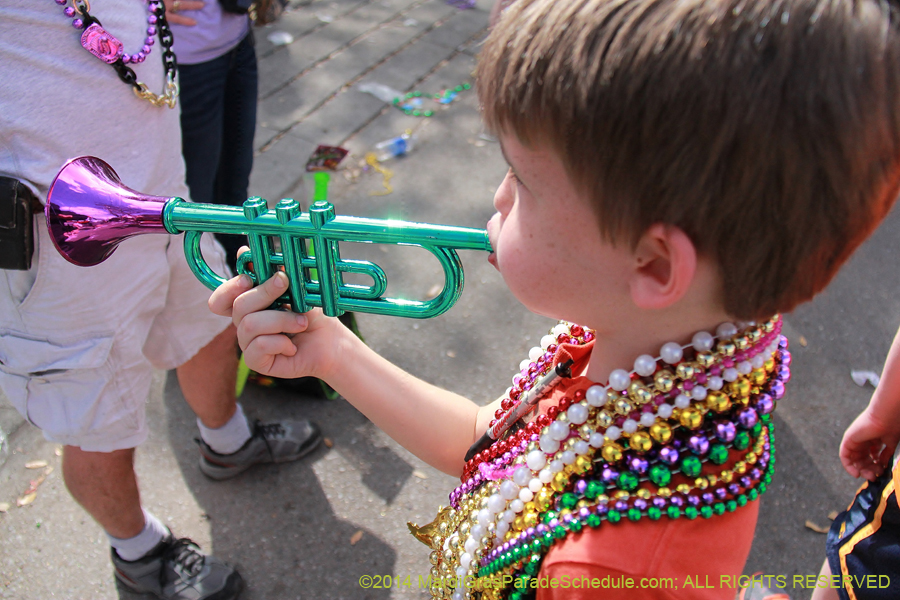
[174,8]
[868,446]
[279,343]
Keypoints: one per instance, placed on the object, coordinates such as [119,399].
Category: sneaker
[178,570]
[270,443]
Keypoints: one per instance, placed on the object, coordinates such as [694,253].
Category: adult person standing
[218,79]
[77,346]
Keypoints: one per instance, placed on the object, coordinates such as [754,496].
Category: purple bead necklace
[101,43]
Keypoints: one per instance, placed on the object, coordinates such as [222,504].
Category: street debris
[815,527]
[833,515]
[328,443]
[383,92]
[451,353]
[356,537]
[861,378]
[434,290]
[420,474]
[325,158]
[31,493]
[4,507]
[482,139]
[36,464]
[386,174]
[803,341]
[401,145]
[280,38]
[325,18]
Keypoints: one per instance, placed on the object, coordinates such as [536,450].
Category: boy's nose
[503,197]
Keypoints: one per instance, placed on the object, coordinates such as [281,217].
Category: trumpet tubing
[89,212]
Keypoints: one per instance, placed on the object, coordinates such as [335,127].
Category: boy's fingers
[264,349]
[267,323]
[261,297]
[222,299]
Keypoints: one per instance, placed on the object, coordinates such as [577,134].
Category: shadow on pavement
[785,508]
[275,522]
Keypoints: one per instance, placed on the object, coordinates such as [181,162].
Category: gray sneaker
[178,570]
[271,443]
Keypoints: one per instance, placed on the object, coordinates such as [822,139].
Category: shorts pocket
[56,384]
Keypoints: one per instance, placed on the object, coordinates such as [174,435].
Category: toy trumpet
[90,212]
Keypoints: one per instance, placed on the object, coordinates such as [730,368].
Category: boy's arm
[436,425]
[870,441]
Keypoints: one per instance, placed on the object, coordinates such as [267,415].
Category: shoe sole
[234,585]
[223,473]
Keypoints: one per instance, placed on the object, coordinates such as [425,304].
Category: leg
[825,593]
[104,484]
[207,380]
[202,103]
[238,127]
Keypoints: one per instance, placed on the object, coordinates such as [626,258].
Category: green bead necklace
[411,102]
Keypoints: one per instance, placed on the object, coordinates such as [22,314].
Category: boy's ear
[665,263]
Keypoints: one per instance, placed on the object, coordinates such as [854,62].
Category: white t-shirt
[58,101]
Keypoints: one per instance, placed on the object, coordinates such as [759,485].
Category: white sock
[134,548]
[230,437]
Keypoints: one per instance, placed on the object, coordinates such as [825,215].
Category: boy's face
[547,243]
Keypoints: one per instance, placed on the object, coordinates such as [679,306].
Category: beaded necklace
[611,452]
[411,104]
[106,47]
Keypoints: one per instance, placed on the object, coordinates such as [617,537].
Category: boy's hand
[868,446]
[278,343]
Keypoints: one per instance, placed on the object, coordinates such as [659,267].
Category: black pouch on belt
[17,207]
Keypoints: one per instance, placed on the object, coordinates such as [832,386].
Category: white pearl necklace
[509,495]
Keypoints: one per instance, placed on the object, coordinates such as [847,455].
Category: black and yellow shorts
[863,544]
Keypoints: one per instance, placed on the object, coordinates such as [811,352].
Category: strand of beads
[78,13]
[524,553]
[411,103]
[500,505]
[640,507]
[539,363]
[632,410]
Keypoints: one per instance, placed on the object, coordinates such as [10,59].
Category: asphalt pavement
[315,528]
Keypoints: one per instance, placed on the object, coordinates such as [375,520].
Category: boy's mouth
[492,257]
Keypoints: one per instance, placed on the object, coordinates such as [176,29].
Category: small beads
[611,453]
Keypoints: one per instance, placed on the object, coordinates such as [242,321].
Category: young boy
[864,540]
[680,172]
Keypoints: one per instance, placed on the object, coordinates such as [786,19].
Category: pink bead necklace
[101,43]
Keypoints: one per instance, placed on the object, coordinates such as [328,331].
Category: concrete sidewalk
[312,529]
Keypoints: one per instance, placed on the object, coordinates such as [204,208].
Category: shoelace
[182,553]
[268,431]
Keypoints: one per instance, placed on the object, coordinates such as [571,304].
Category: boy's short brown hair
[767,130]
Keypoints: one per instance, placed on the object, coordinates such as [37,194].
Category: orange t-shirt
[668,559]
